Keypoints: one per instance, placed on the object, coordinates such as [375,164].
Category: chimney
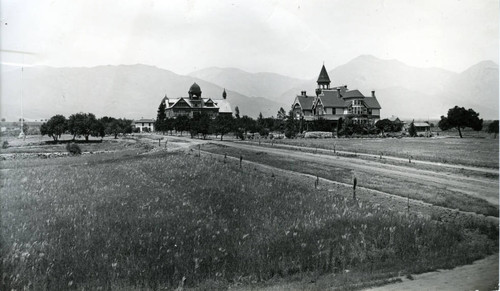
[303,93]
[338,92]
[373,94]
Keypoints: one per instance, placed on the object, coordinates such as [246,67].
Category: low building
[194,103]
[336,103]
[423,128]
[144,125]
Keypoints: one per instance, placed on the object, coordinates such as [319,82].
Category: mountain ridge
[130,91]
[135,91]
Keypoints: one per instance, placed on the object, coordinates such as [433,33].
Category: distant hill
[135,91]
[412,92]
[131,91]
[267,85]
[402,90]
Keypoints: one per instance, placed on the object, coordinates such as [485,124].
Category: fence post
[408,205]
[241,160]
[354,183]
[225,157]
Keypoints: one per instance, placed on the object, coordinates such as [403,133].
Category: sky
[291,38]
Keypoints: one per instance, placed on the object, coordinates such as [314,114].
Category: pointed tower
[224,94]
[323,80]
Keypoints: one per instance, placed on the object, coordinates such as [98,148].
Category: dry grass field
[481,152]
[138,219]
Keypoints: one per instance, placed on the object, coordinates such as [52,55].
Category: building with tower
[336,104]
[194,103]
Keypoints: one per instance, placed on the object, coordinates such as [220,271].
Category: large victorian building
[194,103]
[336,104]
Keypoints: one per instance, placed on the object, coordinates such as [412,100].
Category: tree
[223,124]
[203,124]
[321,124]
[290,125]
[460,118]
[182,123]
[115,126]
[54,127]
[247,124]
[25,128]
[281,114]
[169,124]
[97,128]
[384,125]
[493,128]
[237,112]
[84,124]
[161,118]
[412,131]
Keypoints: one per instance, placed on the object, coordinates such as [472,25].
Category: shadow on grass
[73,141]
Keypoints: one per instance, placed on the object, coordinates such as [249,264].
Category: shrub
[73,149]
[264,132]
[5,144]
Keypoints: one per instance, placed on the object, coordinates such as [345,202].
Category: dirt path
[486,188]
[387,157]
[482,275]
[394,202]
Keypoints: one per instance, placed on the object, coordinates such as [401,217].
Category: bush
[73,149]
[264,132]
[239,134]
[5,144]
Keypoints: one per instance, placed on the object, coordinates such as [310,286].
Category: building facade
[336,103]
[144,125]
[194,103]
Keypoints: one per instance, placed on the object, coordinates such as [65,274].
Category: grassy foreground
[147,221]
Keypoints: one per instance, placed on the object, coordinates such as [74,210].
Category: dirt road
[484,188]
[482,275]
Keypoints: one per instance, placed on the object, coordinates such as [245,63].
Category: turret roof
[323,76]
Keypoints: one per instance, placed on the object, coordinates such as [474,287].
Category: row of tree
[288,124]
[85,124]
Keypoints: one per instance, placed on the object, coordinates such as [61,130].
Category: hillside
[134,91]
[267,85]
[402,90]
[131,91]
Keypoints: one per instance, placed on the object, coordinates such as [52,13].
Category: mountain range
[135,91]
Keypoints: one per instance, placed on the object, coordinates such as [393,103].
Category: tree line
[86,125]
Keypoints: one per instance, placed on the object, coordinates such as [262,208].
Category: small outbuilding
[422,128]
[144,125]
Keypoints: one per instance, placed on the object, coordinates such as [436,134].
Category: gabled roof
[224,106]
[394,118]
[181,100]
[372,103]
[305,102]
[209,102]
[323,76]
[352,94]
[330,98]
[144,120]
[421,124]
